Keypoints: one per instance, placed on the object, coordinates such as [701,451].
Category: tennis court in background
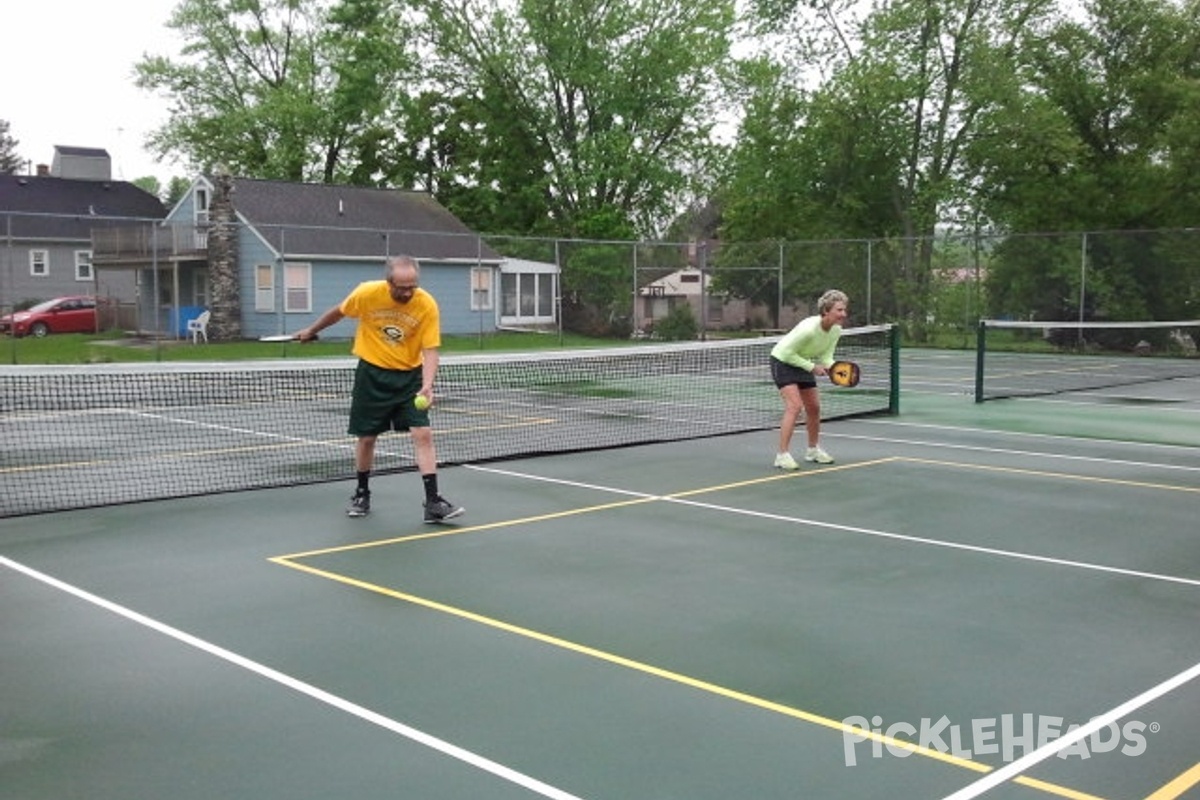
[1005,595]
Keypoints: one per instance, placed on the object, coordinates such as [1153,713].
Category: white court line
[432,742]
[1023,764]
[1028,435]
[562,482]
[971,548]
[901,537]
[1006,451]
[1164,406]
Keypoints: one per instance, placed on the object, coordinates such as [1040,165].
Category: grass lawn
[116,347]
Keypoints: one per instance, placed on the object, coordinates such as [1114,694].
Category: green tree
[10,161]
[475,158]
[587,120]
[1103,134]
[149,184]
[600,111]
[284,89]
[812,167]
[678,325]
[884,135]
[176,189]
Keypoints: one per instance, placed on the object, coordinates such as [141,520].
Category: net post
[980,346]
[894,398]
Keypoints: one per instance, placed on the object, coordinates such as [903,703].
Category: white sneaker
[818,455]
[785,461]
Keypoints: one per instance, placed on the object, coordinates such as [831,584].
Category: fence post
[1082,278]
[779,289]
[980,347]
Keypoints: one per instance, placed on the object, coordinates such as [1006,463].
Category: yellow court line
[785,476]
[1063,475]
[649,669]
[1054,789]
[527,422]
[443,532]
[170,456]
[679,678]
[44,467]
[456,531]
[287,442]
[1178,786]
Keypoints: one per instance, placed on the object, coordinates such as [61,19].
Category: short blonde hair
[830,299]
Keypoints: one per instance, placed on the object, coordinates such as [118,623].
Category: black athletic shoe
[360,504]
[440,509]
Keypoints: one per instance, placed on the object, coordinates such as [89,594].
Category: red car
[60,315]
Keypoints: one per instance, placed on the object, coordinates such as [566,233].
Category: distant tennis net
[1021,359]
[93,435]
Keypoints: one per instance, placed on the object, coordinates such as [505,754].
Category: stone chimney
[224,294]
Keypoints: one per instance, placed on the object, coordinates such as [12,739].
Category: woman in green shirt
[803,353]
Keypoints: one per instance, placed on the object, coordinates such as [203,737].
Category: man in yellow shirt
[803,353]
[397,341]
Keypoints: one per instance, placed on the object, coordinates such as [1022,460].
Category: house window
[39,263]
[83,265]
[200,287]
[264,288]
[527,295]
[200,213]
[508,294]
[481,288]
[297,287]
[200,217]
[545,294]
[537,294]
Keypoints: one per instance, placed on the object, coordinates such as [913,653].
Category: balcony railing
[149,243]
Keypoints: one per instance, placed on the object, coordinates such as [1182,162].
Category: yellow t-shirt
[392,335]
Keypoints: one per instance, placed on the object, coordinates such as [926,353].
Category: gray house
[295,250]
[46,224]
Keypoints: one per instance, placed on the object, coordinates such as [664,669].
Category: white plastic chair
[198,327]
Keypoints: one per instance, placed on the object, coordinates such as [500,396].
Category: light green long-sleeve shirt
[807,345]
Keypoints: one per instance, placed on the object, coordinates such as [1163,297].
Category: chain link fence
[936,289]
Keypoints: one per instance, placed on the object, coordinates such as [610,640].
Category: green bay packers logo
[393,333]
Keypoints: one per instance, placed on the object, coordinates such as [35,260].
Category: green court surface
[1005,595]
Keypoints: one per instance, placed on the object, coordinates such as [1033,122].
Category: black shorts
[786,375]
[383,400]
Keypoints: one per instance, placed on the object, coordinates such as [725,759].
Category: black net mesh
[92,435]
[1022,359]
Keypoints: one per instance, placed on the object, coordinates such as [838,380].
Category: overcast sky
[66,78]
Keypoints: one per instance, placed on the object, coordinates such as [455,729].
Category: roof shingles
[64,208]
[353,221]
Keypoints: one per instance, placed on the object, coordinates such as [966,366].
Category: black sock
[431,489]
[363,477]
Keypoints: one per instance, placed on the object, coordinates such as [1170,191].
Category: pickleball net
[103,434]
[1024,359]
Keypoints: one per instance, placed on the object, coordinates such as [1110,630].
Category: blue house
[296,250]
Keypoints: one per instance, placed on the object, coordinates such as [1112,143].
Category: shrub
[679,325]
